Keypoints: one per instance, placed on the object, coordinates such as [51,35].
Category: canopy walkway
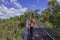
[37,34]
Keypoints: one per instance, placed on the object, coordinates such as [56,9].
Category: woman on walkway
[32,24]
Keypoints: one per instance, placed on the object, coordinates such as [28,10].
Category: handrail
[25,37]
[48,34]
[44,30]
[26,33]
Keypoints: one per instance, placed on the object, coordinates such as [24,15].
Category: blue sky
[34,4]
[30,4]
[11,8]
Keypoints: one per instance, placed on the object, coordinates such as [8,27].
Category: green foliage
[51,14]
[13,28]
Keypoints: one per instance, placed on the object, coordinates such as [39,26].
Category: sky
[11,8]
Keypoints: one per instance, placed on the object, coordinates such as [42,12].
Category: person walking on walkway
[32,24]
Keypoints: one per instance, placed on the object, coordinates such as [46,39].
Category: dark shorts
[31,30]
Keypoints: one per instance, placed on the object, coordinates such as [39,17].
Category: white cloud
[6,12]
[13,1]
[34,5]
[49,0]
[18,5]
[6,2]
[3,1]
[38,0]
[58,1]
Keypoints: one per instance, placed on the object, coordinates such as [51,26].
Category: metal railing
[26,33]
[39,24]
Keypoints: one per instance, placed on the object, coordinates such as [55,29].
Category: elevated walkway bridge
[38,33]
